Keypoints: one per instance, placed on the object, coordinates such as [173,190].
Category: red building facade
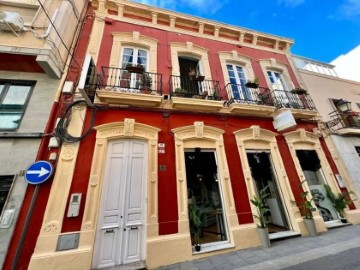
[177,148]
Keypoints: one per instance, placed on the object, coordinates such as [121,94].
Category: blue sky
[322,30]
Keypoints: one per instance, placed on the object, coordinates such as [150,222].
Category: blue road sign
[38,172]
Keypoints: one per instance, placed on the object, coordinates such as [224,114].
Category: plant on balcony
[194,76]
[299,91]
[253,83]
[134,68]
[146,82]
[179,92]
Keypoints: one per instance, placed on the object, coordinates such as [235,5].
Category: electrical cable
[61,128]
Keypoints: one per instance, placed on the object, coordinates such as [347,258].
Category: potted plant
[146,83]
[340,201]
[299,91]
[259,203]
[194,76]
[253,83]
[135,68]
[196,216]
[180,92]
[306,209]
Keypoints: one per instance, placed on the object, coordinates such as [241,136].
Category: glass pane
[142,58]
[10,120]
[270,77]
[241,75]
[128,54]
[16,95]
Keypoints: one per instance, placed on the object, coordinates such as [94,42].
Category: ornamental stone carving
[129,126]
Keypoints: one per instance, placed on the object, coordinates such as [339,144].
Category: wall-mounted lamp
[343,105]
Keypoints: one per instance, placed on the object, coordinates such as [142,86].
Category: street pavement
[284,254]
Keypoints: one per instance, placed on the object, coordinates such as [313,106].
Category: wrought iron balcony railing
[340,120]
[184,86]
[122,80]
[264,96]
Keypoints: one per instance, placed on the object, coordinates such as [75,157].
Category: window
[276,80]
[5,185]
[238,80]
[134,56]
[14,96]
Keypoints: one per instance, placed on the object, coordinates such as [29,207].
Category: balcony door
[238,80]
[132,56]
[278,85]
[189,84]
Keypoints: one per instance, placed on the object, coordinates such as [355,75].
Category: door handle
[109,231]
[134,228]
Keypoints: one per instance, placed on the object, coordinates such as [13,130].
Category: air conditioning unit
[11,21]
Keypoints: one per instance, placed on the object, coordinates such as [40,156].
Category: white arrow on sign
[41,172]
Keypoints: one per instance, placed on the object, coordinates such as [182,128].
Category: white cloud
[202,6]
[291,3]
[350,8]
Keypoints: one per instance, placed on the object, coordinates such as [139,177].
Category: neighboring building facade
[175,129]
[32,60]
[343,127]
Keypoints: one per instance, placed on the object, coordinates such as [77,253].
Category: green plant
[196,216]
[254,81]
[299,91]
[305,204]
[340,201]
[146,79]
[259,203]
[180,91]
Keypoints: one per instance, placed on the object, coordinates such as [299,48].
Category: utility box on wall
[74,205]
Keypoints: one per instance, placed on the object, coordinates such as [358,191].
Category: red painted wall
[167,179]
[164,58]
[168,216]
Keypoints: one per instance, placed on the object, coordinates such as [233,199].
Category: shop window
[14,96]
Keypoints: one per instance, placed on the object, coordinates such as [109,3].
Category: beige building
[331,94]
[36,38]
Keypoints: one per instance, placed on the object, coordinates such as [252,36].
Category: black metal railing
[286,99]
[122,80]
[239,93]
[340,120]
[184,86]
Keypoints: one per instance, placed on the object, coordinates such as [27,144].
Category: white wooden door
[120,236]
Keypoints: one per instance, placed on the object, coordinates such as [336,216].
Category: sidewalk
[282,254]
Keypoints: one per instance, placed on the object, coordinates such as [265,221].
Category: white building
[347,65]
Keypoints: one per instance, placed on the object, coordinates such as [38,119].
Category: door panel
[120,237]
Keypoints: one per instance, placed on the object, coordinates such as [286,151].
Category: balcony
[263,102]
[345,123]
[195,94]
[123,87]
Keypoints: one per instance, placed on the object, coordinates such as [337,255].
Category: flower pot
[252,85]
[264,237]
[135,69]
[343,220]
[310,225]
[197,247]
